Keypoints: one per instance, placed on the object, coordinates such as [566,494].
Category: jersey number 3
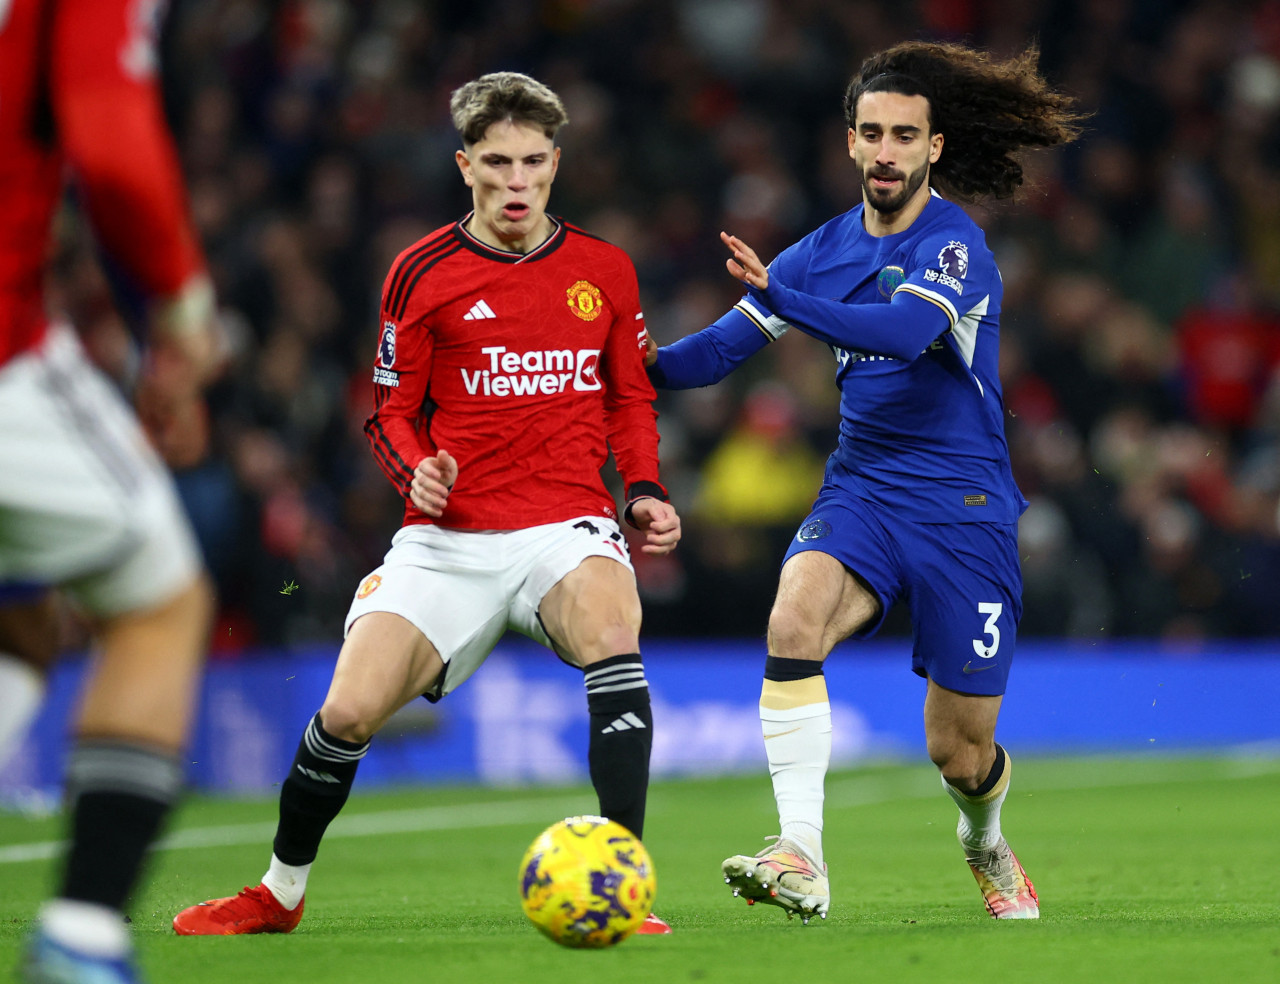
[992,610]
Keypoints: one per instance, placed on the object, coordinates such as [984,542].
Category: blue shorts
[962,583]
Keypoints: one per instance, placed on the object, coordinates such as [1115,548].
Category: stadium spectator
[87,506]
[363,83]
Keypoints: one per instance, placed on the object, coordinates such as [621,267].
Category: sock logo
[317,776]
[627,722]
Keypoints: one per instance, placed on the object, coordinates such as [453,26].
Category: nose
[519,178]
[885,155]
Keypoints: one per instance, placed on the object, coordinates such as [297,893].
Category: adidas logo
[624,723]
[479,311]
[317,776]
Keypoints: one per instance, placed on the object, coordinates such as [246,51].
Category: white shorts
[464,589]
[85,503]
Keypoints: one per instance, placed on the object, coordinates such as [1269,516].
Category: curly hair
[502,96]
[987,110]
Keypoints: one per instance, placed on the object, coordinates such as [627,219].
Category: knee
[344,718]
[792,635]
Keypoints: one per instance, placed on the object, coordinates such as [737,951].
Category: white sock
[21,691]
[287,882]
[979,826]
[795,718]
[95,930]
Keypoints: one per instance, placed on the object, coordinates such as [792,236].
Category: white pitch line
[457,817]
[857,791]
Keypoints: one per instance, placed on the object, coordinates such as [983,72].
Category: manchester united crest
[369,585]
[584,300]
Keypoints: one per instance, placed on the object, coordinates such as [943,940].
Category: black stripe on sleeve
[409,263]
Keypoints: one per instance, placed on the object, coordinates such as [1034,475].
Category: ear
[853,139]
[464,165]
[555,162]
[935,148]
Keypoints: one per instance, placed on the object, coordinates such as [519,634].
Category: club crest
[584,300]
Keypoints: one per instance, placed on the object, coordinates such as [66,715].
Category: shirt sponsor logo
[543,372]
[584,300]
[844,356]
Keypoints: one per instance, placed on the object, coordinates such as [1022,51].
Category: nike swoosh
[970,668]
[781,733]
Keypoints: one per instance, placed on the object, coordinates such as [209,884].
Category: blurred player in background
[510,362]
[85,504]
[919,502]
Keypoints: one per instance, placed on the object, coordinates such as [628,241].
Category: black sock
[314,792]
[781,669]
[118,794]
[993,777]
[621,738]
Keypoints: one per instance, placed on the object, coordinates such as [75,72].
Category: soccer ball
[587,882]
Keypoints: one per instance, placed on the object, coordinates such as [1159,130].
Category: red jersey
[78,92]
[527,367]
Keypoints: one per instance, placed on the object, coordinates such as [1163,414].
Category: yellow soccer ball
[587,882]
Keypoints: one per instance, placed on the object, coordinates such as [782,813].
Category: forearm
[901,329]
[707,356]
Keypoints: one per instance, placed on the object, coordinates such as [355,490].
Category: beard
[886,201]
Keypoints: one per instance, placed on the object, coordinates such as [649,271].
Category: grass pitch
[1156,869]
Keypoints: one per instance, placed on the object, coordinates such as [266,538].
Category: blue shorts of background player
[962,584]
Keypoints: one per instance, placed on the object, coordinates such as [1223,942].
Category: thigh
[450,587]
[385,663]
[841,568]
[965,595]
[819,603]
[593,612]
[579,595]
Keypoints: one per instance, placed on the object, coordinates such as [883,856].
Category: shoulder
[607,260]
[414,263]
[946,237]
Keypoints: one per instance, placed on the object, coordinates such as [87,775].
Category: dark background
[1141,333]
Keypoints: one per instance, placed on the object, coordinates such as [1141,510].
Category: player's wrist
[641,490]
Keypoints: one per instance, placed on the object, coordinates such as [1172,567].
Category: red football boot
[652,926]
[254,910]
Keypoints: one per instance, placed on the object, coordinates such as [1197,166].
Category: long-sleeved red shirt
[527,368]
[79,98]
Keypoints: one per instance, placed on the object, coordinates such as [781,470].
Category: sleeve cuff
[642,490]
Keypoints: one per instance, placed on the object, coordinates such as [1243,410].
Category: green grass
[1160,869]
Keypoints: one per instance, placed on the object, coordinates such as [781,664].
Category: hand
[432,480]
[745,265]
[658,521]
[650,350]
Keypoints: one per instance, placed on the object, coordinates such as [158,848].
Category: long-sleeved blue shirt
[913,321]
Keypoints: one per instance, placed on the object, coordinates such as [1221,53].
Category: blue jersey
[912,319]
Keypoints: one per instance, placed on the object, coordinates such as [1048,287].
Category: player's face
[509,173]
[892,147]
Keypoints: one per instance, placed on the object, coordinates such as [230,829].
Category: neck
[527,243]
[879,223]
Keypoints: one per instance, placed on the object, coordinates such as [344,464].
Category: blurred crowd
[1141,328]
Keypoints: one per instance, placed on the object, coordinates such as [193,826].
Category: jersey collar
[548,246]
